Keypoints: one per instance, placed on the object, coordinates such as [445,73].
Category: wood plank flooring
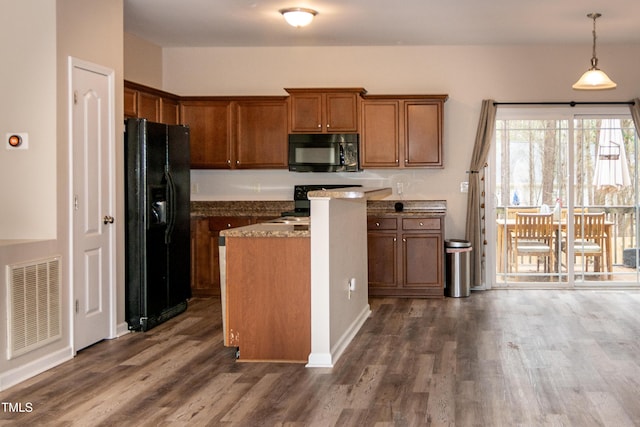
[497,358]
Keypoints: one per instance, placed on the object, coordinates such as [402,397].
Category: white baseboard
[122,329]
[14,376]
[350,333]
[327,360]
[319,360]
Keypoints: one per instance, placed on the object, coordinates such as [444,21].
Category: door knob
[108,219]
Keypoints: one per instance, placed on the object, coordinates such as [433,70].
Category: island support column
[339,292]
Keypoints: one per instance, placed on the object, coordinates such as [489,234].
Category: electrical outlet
[464,187]
[195,188]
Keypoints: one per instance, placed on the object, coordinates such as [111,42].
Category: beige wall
[467,73]
[142,61]
[28,176]
[39,87]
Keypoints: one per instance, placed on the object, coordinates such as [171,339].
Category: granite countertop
[268,229]
[369,193]
[267,208]
[409,207]
[275,208]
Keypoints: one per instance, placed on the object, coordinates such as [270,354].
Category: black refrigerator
[158,249]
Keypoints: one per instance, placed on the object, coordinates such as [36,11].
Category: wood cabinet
[261,134]
[236,133]
[147,103]
[205,263]
[324,110]
[210,127]
[405,256]
[402,131]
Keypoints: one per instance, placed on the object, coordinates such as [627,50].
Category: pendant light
[594,78]
[298,16]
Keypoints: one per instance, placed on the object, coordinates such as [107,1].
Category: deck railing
[624,227]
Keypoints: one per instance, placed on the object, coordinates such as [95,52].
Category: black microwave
[330,152]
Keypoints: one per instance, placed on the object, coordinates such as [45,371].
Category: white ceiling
[180,23]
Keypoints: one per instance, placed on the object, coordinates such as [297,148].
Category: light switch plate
[24,144]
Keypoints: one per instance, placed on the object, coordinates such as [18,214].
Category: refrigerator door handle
[171,211]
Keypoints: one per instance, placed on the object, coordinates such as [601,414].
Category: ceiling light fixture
[298,16]
[594,78]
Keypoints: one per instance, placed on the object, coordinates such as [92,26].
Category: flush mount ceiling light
[594,78]
[298,16]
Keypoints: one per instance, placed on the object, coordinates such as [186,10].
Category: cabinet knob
[404,240]
[328,126]
[320,125]
[421,224]
[406,161]
[229,161]
[237,162]
[395,239]
[377,224]
[228,225]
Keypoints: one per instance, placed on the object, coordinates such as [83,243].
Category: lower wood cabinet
[406,256]
[205,264]
[205,261]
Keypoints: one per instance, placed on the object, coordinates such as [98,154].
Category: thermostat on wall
[17,140]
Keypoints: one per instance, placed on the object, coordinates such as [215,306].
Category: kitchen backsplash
[278,184]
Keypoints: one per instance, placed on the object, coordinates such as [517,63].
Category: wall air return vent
[34,303]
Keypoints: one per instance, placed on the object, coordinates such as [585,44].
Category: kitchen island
[288,297]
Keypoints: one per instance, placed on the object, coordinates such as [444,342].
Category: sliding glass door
[565,199]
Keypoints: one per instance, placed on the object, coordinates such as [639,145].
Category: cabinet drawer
[382,224]
[421,223]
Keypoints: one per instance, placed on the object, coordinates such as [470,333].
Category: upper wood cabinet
[261,133]
[402,131]
[209,122]
[147,103]
[333,110]
[236,133]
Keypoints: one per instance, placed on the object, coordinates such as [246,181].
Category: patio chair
[533,236]
[589,238]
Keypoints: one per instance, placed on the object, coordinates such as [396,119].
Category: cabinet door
[149,106]
[261,134]
[306,112]
[169,111]
[130,102]
[210,128]
[203,276]
[423,135]
[382,256]
[380,134]
[422,255]
[205,269]
[341,112]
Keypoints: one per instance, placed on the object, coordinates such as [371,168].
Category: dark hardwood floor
[498,358]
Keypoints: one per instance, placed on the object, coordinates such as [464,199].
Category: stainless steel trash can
[458,282]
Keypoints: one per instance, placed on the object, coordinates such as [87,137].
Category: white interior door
[92,202]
